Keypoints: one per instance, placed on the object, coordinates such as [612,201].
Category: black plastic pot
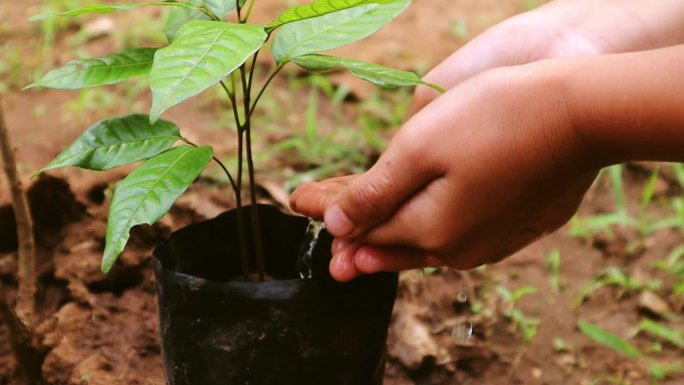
[288,331]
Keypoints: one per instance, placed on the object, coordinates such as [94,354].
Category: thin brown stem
[26,253]
[21,342]
[238,8]
[249,9]
[263,89]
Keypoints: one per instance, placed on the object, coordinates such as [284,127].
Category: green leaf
[318,8]
[673,336]
[179,16]
[148,192]
[93,72]
[108,9]
[608,339]
[333,30]
[381,76]
[114,142]
[201,55]
[218,9]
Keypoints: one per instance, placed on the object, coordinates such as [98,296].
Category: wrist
[627,107]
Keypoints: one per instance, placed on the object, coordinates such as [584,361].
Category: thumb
[372,198]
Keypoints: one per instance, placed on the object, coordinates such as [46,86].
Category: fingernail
[337,222]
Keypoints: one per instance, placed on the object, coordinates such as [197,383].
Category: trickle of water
[462,296]
[308,245]
[462,332]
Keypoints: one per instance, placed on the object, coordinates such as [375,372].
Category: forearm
[628,106]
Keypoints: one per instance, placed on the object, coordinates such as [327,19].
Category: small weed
[553,262]
[616,277]
[662,332]
[528,325]
[679,173]
[459,28]
[559,345]
[657,370]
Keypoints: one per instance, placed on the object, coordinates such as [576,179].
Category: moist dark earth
[103,329]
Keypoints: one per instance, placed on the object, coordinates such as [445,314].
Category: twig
[27,355]
[27,255]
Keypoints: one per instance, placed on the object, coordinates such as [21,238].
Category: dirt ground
[103,329]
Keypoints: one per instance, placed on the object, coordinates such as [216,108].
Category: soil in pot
[218,330]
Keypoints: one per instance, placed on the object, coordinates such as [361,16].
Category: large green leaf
[381,76]
[201,55]
[333,30]
[93,72]
[109,8]
[114,142]
[318,8]
[148,192]
[608,339]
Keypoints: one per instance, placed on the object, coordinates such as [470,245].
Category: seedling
[658,371]
[528,325]
[662,332]
[674,264]
[614,276]
[553,262]
[206,51]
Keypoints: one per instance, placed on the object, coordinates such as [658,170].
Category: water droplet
[462,297]
[308,245]
[462,332]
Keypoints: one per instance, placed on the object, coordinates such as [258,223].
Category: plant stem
[256,228]
[26,273]
[249,10]
[240,214]
[237,187]
[21,342]
[238,8]
[263,89]
[218,161]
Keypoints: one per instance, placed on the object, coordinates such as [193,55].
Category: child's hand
[560,29]
[477,174]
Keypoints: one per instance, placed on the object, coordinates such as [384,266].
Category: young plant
[205,51]
[528,325]
[657,370]
[615,276]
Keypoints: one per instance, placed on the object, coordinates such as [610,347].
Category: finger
[373,197]
[418,222]
[311,199]
[370,259]
[342,267]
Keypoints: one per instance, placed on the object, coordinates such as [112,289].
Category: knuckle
[368,198]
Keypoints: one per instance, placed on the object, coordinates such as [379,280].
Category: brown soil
[103,329]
